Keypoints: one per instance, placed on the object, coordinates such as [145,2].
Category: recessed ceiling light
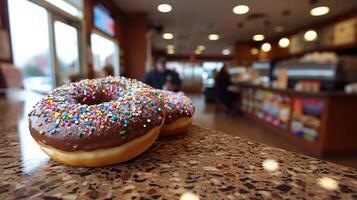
[170,46]
[170,51]
[279,29]
[201,47]
[213,37]
[167,36]
[197,51]
[254,51]
[258,37]
[310,35]
[241,9]
[319,11]
[164,8]
[284,42]
[266,47]
[226,51]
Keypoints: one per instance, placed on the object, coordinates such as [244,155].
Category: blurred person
[215,73]
[108,70]
[162,78]
[76,77]
[222,82]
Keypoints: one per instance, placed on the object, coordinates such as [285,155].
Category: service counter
[321,123]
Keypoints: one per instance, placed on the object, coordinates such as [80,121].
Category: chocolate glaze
[139,109]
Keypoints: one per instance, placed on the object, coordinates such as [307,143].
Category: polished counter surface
[203,164]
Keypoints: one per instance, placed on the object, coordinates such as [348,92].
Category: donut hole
[94,99]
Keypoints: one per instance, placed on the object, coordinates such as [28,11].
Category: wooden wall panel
[278,52]
[342,134]
[242,54]
[134,44]
[298,46]
[87,28]
[5,26]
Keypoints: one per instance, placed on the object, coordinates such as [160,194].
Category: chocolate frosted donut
[178,110]
[97,122]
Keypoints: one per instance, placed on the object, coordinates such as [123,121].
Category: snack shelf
[271,107]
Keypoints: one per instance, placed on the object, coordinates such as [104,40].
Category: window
[66,37]
[72,7]
[47,58]
[190,73]
[30,44]
[105,54]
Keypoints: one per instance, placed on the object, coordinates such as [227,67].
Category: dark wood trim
[4,12]
[185,57]
[88,18]
[134,44]
[326,22]
[199,57]
[95,29]
[335,48]
[278,53]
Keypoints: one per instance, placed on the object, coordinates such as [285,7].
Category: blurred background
[281,72]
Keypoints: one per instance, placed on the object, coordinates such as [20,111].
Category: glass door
[66,50]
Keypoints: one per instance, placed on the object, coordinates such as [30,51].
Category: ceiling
[192,20]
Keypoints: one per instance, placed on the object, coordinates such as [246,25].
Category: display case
[306,118]
[274,108]
[331,75]
[313,121]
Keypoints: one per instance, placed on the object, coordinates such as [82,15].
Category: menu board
[275,108]
[344,32]
[103,20]
[306,118]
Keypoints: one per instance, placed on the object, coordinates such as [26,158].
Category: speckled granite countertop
[202,164]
